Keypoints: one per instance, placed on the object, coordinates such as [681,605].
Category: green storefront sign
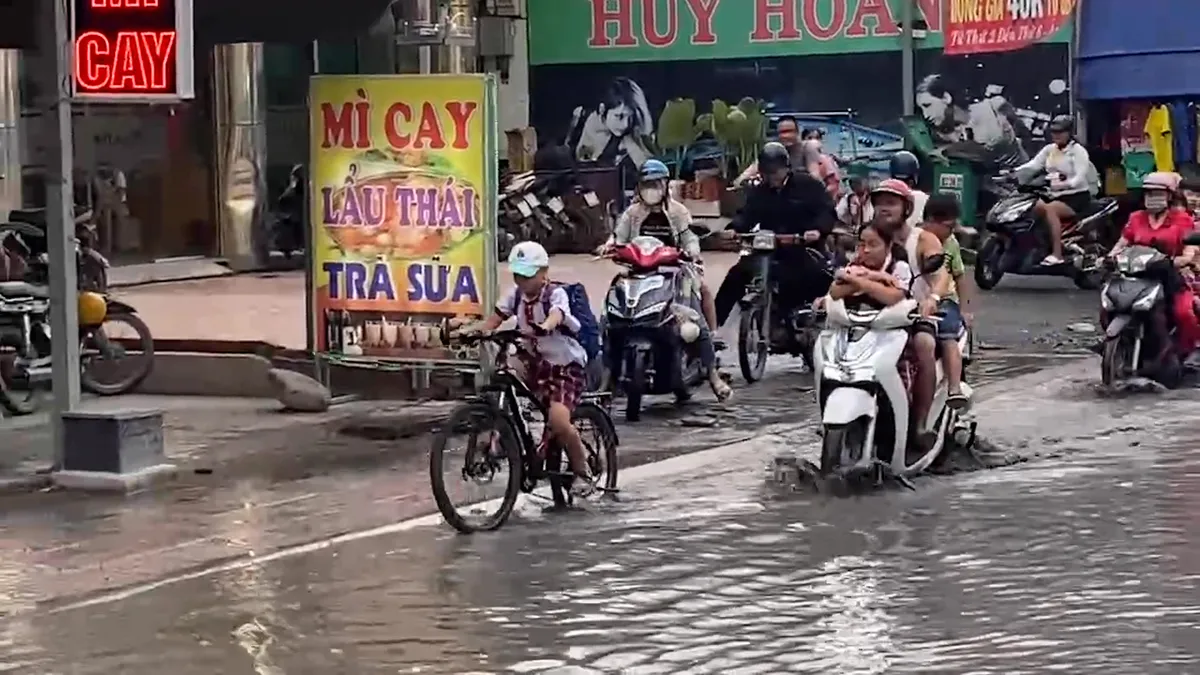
[608,31]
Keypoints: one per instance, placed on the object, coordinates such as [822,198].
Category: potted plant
[741,131]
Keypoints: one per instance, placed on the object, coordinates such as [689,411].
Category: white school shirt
[557,348]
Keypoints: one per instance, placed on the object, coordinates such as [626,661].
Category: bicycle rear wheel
[492,446]
[599,438]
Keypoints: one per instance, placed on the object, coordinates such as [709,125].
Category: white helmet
[1162,180]
[527,258]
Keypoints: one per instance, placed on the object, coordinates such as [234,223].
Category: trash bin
[958,179]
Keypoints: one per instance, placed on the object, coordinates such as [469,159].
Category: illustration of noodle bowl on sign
[410,213]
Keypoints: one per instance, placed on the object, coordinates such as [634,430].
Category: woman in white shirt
[1067,164]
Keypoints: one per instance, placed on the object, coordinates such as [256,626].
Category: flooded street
[1083,559]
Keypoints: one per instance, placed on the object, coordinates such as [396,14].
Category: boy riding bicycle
[554,363]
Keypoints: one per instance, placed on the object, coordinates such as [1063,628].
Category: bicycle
[508,440]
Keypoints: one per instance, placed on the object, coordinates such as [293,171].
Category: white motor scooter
[865,408]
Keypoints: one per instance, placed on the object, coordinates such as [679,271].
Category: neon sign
[132,50]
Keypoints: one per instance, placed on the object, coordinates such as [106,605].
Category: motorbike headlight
[764,241]
[651,309]
[1144,303]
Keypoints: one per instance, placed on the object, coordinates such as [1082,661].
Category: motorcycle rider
[904,166]
[653,213]
[893,202]
[788,201]
[1164,226]
[1069,167]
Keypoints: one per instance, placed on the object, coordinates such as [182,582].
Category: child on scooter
[941,218]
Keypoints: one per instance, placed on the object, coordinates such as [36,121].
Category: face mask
[652,195]
[1156,202]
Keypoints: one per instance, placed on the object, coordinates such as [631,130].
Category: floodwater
[1082,561]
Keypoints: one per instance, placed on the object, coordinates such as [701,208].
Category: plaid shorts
[552,383]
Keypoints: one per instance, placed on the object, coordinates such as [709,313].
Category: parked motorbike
[25,345]
[651,339]
[1017,241]
[573,222]
[25,236]
[1139,338]
[865,413]
[762,330]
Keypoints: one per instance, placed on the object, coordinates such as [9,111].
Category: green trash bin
[958,179]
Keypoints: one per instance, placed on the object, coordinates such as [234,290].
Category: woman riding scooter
[1164,225]
[654,213]
[1068,165]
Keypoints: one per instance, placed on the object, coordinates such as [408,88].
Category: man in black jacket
[788,201]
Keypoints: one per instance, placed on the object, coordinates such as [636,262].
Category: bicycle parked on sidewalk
[499,436]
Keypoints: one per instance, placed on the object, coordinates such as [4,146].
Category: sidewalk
[239,436]
[270,307]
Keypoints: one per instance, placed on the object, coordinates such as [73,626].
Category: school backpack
[588,334]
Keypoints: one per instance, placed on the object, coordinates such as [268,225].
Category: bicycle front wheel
[481,450]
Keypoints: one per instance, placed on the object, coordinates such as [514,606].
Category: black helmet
[773,156]
[1062,123]
[905,166]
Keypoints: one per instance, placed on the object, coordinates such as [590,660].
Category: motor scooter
[866,414]
[1139,337]
[652,339]
[1017,241]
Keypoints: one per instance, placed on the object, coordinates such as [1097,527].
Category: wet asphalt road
[1082,560]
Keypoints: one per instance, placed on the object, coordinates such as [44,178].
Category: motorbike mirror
[933,263]
[1192,239]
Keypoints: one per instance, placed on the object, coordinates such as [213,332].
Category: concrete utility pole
[60,216]
[907,56]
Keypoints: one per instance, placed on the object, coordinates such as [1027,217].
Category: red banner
[980,26]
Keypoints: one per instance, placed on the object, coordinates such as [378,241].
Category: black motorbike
[25,347]
[1017,240]
[648,343]
[25,237]
[764,328]
[1139,338]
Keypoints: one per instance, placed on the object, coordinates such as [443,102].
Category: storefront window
[145,169]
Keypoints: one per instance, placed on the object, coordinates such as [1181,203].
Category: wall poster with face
[989,79]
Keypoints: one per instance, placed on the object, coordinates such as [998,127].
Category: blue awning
[1143,49]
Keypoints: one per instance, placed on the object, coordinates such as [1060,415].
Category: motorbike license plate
[591,199]
[524,209]
[555,204]
[764,241]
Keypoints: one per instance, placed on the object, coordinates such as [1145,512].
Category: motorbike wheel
[90,382]
[17,402]
[752,356]
[1115,361]
[837,438]
[635,388]
[987,264]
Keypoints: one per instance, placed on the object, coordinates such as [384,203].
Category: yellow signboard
[403,178]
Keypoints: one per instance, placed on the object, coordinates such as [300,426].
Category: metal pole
[907,54]
[60,215]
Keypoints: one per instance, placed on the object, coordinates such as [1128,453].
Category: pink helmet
[894,186]
[1162,180]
